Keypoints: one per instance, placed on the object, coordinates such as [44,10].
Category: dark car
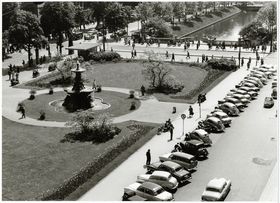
[175,169]
[268,102]
[200,135]
[229,108]
[194,147]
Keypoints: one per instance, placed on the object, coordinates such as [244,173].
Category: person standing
[22,110]
[132,54]
[9,73]
[191,113]
[23,63]
[171,128]
[188,55]
[166,54]
[148,157]
[172,57]
[133,45]
[185,47]
[248,65]
[143,90]
[262,61]
[242,61]
[135,53]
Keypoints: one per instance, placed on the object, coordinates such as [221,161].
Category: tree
[57,18]
[81,16]
[267,16]
[159,74]
[30,7]
[5,43]
[178,10]
[144,11]
[9,9]
[25,31]
[157,27]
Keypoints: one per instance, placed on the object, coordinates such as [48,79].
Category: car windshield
[159,190]
[213,189]
[178,169]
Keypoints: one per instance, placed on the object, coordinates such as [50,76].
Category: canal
[228,29]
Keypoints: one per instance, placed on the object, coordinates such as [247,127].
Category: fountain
[78,97]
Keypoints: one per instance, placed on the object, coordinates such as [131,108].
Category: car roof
[184,155]
[215,119]
[217,183]
[171,164]
[229,104]
[164,174]
[195,142]
[220,113]
[200,131]
[151,186]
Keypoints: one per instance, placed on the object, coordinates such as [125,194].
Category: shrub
[106,56]
[131,94]
[172,85]
[32,94]
[189,23]
[52,67]
[42,115]
[133,105]
[222,64]
[176,27]
[218,13]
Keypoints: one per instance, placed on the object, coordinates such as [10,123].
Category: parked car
[236,102]
[222,116]
[269,68]
[268,102]
[241,98]
[274,84]
[252,86]
[162,178]
[259,76]
[242,92]
[259,73]
[175,169]
[229,108]
[211,124]
[250,91]
[257,80]
[216,190]
[194,147]
[147,190]
[200,135]
[267,72]
[274,93]
[186,160]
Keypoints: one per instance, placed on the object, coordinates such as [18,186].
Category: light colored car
[249,80]
[175,169]
[236,102]
[222,116]
[200,135]
[250,91]
[162,178]
[262,79]
[229,108]
[147,190]
[251,85]
[274,93]
[241,98]
[212,124]
[268,102]
[242,92]
[216,190]
[252,78]
[259,73]
[186,160]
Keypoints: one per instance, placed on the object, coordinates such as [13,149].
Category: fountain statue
[78,97]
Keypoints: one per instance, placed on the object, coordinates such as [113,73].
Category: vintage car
[269,68]
[229,108]
[175,169]
[274,84]
[211,124]
[245,94]
[186,160]
[148,191]
[194,147]
[254,82]
[268,102]
[274,93]
[216,190]
[257,80]
[250,91]
[222,116]
[252,86]
[241,98]
[260,73]
[234,101]
[260,77]
[162,178]
[267,72]
[200,135]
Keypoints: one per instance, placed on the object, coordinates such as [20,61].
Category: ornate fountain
[78,97]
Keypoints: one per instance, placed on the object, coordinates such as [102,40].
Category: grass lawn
[120,104]
[129,75]
[202,22]
[34,160]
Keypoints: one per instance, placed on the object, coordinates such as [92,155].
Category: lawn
[120,105]
[202,21]
[129,75]
[34,160]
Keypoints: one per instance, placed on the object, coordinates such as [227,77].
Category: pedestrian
[22,111]
[172,57]
[128,42]
[143,90]
[206,59]
[250,59]
[242,61]
[191,113]
[133,45]
[17,69]
[135,53]
[9,73]
[171,128]
[94,84]
[197,46]
[148,156]
[248,65]
[203,58]
[262,61]
[197,61]
[13,74]
[23,63]
[17,75]
[166,54]
[112,49]
[188,55]
[11,67]
[185,47]
[132,54]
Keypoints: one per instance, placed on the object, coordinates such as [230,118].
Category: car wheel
[125,197]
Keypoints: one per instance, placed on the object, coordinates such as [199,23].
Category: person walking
[143,90]
[22,110]
[148,157]
[166,54]
[250,60]
[133,45]
[132,54]
[188,55]
[191,113]
[172,57]
[9,73]
[23,63]
[242,61]
[262,61]
[185,47]
[171,128]
[248,65]
[135,53]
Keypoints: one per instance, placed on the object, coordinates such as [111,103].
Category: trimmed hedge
[110,153]
[222,64]
[104,56]
[176,27]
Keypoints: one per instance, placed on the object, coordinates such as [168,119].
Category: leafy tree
[9,9]
[144,11]
[5,43]
[57,18]
[81,16]
[178,10]
[157,27]
[25,31]
[267,16]
[30,7]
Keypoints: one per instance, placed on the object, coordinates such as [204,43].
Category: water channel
[228,29]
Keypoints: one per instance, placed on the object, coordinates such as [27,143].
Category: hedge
[222,64]
[104,56]
[85,173]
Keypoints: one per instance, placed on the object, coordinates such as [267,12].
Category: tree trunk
[29,55]
[37,55]
[70,42]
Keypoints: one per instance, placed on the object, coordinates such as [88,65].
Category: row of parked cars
[175,168]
